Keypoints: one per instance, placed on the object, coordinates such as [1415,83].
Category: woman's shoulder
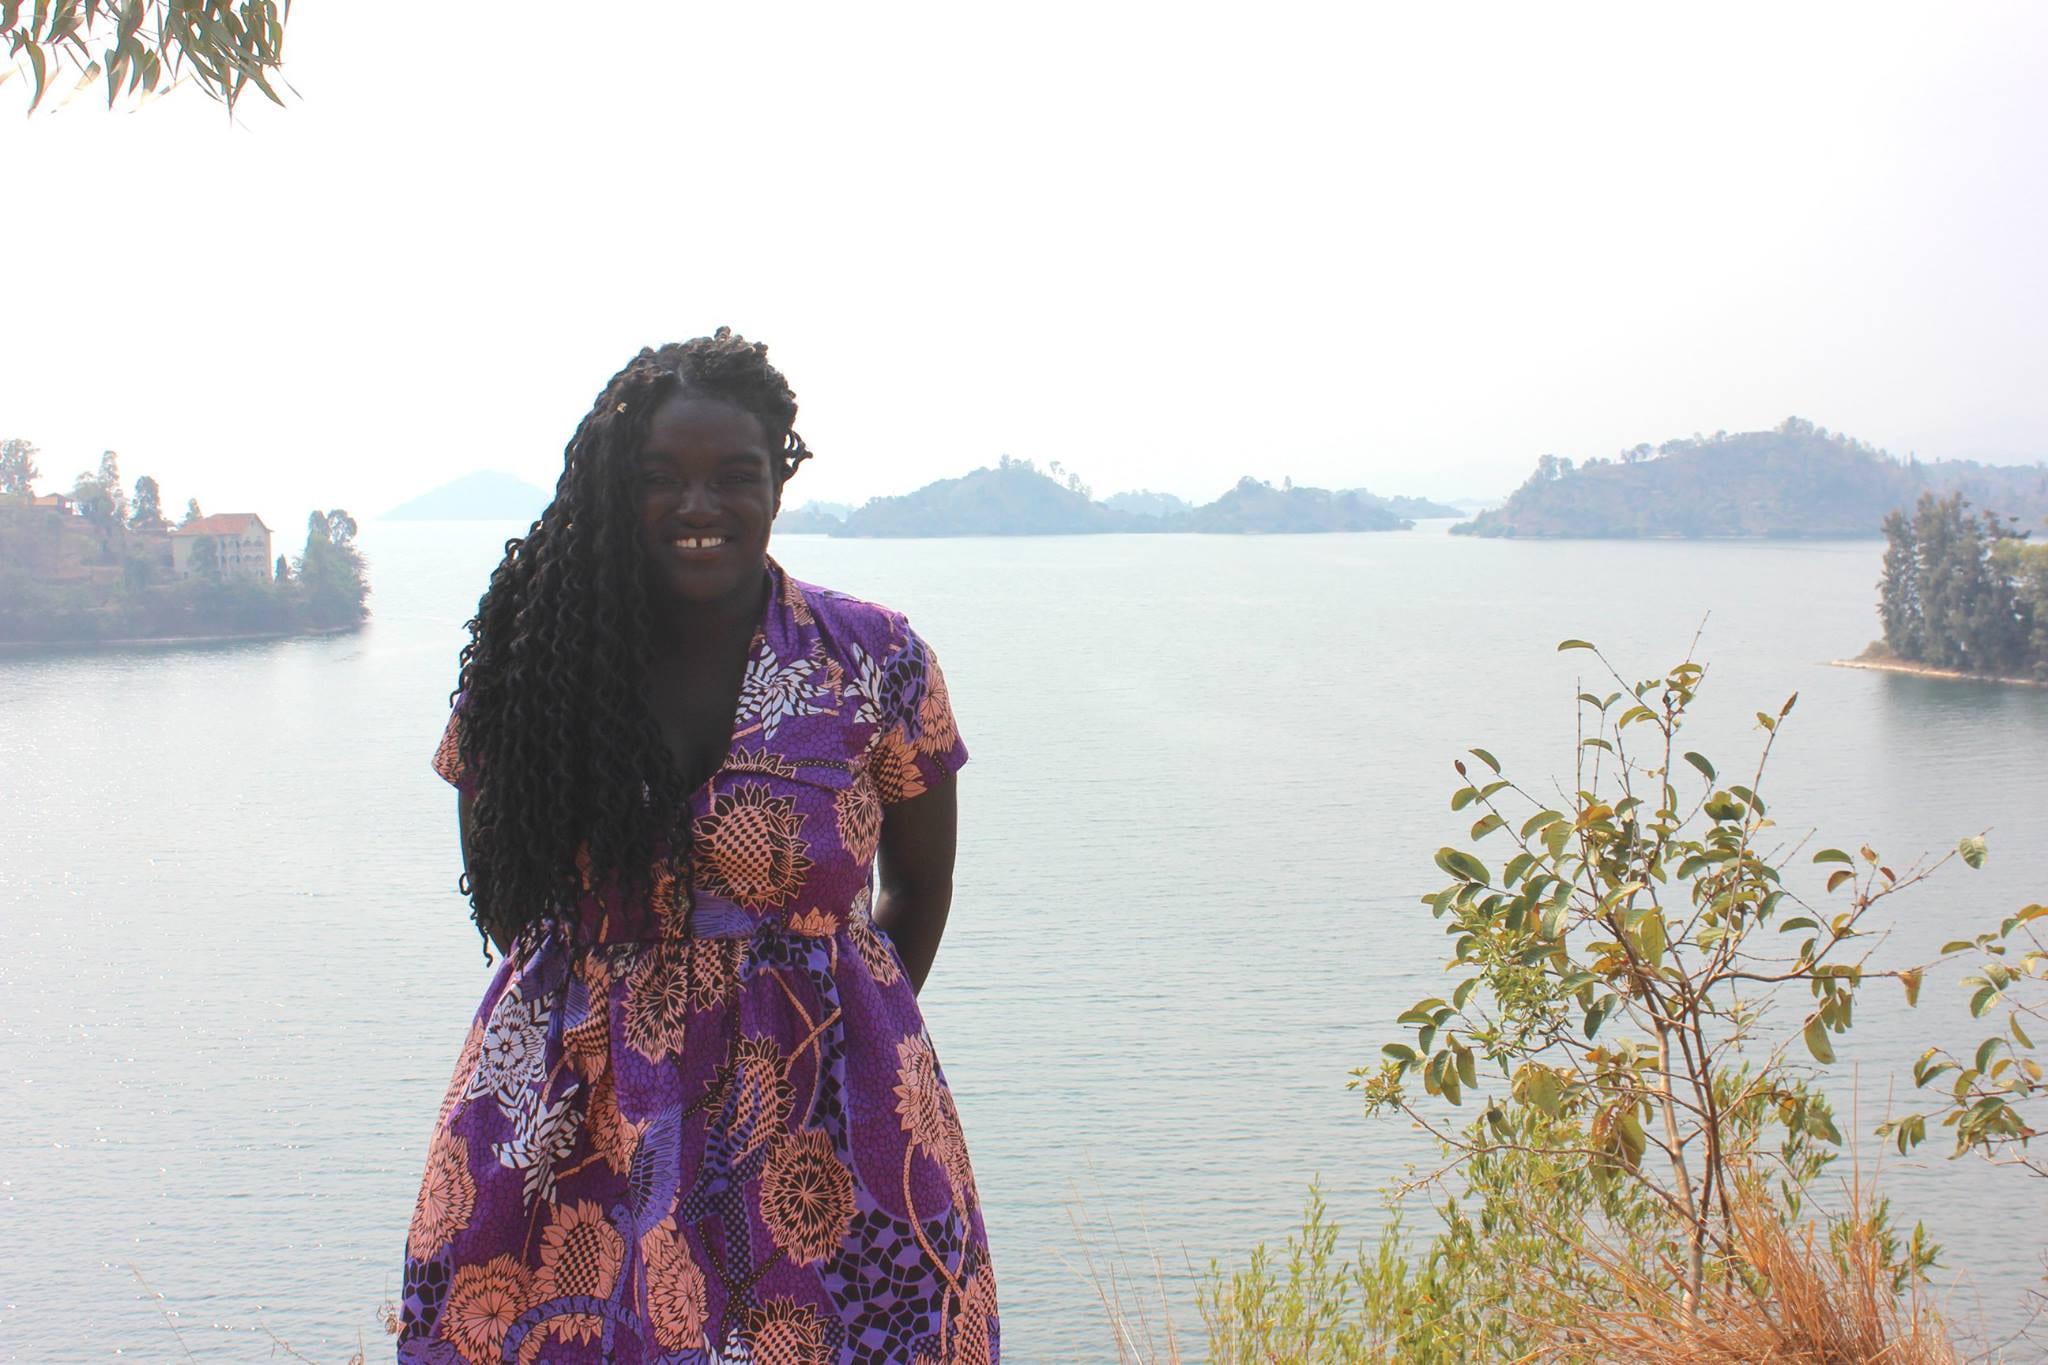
[845,619]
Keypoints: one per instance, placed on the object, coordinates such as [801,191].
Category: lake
[1209,776]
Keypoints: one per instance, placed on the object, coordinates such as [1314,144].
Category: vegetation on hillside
[808,520]
[1795,480]
[1012,499]
[106,572]
[1143,502]
[1016,498]
[1963,591]
[1257,506]
[1412,508]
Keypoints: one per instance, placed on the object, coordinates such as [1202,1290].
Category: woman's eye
[739,476]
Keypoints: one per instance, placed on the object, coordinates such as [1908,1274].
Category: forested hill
[1255,507]
[1013,499]
[1795,480]
[1016,498]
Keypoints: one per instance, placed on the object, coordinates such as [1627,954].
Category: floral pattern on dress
[772,692]
[749,847]
[723,1134]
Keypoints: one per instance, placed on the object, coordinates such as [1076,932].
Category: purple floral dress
[736,1143]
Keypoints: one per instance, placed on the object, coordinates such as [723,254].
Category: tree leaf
[1817,1043]
[1573,644]
[1833,855]
[1461,865]
[1986,1050]
[1973,850]
[1542,1090]
[1553,919]
[1484,757]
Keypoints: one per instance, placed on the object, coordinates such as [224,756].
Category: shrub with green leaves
[1616,968]
[1997,1093]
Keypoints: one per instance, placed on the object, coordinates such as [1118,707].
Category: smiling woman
[708,816]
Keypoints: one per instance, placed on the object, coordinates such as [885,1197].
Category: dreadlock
[554,723]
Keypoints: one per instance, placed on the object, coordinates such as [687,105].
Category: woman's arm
[918,837]
[462,823]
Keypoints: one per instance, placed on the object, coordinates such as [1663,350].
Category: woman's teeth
[699,542]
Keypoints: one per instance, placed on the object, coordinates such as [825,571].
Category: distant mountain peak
[487,495]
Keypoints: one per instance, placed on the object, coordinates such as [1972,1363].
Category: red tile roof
[223,524]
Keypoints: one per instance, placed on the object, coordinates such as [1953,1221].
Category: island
[1796,480]
[1014,497]
[97,566]
[1962,595]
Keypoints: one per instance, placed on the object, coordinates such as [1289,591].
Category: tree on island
[222,46]
[329,575]
[18,471]
[192,512]
[204,561]
[149,507]
[110,479]
[1953,595]
[99,495]
[2027,566]
[1905,629]
[283,573]
[90,496]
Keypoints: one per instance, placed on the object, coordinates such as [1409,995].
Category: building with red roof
[240,540]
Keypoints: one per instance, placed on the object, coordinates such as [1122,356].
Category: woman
[697,1118]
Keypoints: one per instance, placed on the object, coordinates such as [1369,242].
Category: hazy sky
[1405,247]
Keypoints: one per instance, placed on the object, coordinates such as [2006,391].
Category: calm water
[1209,776]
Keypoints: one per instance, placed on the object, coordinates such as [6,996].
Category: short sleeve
[918,744]
[448,757]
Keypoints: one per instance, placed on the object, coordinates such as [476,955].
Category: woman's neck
[715,627]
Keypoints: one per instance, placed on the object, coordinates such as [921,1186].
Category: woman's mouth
[698,542]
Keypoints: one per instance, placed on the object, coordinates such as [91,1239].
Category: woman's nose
[694,498]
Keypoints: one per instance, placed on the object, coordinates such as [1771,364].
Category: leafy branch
[1618,965]
[140,46]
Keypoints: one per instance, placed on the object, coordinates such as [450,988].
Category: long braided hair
[575,785]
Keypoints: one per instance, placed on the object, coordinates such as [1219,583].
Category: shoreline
[1930,671]
[168,641]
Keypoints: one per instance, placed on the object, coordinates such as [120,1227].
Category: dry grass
[1137,1303]
[1796,1301]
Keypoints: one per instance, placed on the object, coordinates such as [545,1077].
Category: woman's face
[707,495]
